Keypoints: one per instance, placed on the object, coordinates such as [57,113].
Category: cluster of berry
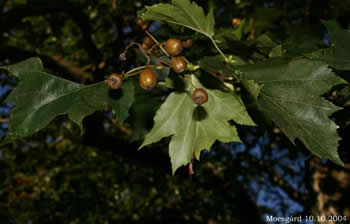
[148,78]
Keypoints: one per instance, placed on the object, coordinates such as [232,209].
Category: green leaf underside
[291,96]
[184,13]
[195,128]
[39,97]
[338,55]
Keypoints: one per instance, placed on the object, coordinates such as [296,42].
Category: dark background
[59,176]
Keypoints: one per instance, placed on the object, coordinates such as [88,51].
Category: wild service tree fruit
[147,79]
[173,46]
[178,64]
[187,43]
[236,21]
[147,42]
[141,23]
[200,96]
[115,81]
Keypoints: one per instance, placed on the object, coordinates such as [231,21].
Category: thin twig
[217,76]
[4,120]
[157,42]
[79,73]
[136,71]
[252,24]
[122,56]
[152,48]
[117,125]
[190,169]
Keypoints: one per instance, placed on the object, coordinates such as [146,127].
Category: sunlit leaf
[184,13]
[194,128]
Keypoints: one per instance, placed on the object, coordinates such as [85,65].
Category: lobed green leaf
[291,95]
[195,128]
[184,13]
[40,97]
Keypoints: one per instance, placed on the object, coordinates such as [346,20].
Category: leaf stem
[136,71]
[218,49]
[190,81]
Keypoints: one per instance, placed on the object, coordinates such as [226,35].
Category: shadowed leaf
[39,97]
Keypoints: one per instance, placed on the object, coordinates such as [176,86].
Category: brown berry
[200,96]
[115,81]
[173,46]
[236,21]
[141,23]
[187,43]
[178,64]
[147,42]
[144,46]
[147,79]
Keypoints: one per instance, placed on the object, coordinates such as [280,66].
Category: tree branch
[14,17]
[65,68]
[4,120]
[77,73]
